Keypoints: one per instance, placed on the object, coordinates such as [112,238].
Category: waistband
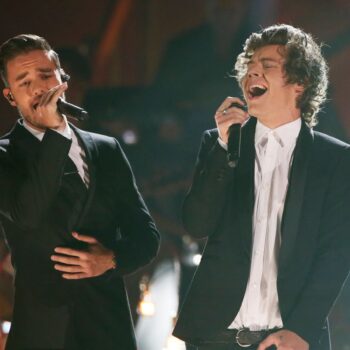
[243,337]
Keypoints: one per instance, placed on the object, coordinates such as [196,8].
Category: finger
[71,252]
[232,110]
[84,238]
[75,276]
[53,94]
[69,268]
[269,341]
[46,97]
[227,123]
[66,260]
[228,101]
[224,127]
[231,116]
[58,93]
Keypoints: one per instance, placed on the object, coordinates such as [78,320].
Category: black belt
[242,337]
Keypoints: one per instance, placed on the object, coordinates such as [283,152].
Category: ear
[64,76]
[8,95]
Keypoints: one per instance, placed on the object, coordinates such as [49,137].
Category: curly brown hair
[304,64]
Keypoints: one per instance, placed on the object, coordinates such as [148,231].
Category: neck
[38,128]
[273,123]
[35,127]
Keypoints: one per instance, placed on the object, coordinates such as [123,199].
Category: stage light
[146,306]
[153,333]
[196,259]
[5,327]
[190,252]
[129,137]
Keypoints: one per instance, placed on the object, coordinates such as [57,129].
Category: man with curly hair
[277,225]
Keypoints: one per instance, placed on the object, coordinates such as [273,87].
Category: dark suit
[42,201]
[314,256]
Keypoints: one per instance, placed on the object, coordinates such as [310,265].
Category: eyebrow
[40,70]
[265,59]
[21,76]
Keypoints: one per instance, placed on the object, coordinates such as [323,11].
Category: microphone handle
[234,140]
[234,145]
[71,110]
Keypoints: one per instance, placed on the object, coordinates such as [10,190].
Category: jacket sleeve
[140,238]
[332,262]
[207,196]
[24,200]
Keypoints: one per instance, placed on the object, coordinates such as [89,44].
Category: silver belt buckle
[237,338]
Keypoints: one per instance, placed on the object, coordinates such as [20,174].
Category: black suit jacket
[314,257]
[42,201]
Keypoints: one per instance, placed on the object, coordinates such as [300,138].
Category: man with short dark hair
[72,214]
[277,225]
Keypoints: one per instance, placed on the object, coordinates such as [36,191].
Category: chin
[259,109]
[254,111]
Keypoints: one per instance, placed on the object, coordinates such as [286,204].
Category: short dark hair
[22,44]
[304,64]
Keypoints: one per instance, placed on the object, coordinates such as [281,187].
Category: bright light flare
[6,326]
[196,259]
[146,306]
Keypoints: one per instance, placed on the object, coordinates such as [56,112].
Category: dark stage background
[152,73]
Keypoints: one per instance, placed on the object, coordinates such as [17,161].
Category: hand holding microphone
[49,108]
[229,118]
[45,112]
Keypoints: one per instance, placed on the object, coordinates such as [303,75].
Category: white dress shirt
[274,153]
[76,152]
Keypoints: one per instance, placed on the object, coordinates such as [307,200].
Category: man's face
[29,76]
[268,96]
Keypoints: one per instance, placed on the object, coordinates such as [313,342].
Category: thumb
[83,238]
[265,344]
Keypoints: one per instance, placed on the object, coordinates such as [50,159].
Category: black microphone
[71,110]
[234,140]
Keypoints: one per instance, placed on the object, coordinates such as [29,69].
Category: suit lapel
[89,147]
[244,185]
[295,195]
[23,144]
[24,147]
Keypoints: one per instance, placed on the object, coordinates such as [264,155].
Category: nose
[38,88]
[254,71]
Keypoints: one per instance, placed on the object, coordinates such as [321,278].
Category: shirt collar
[285,134]
[67,132]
